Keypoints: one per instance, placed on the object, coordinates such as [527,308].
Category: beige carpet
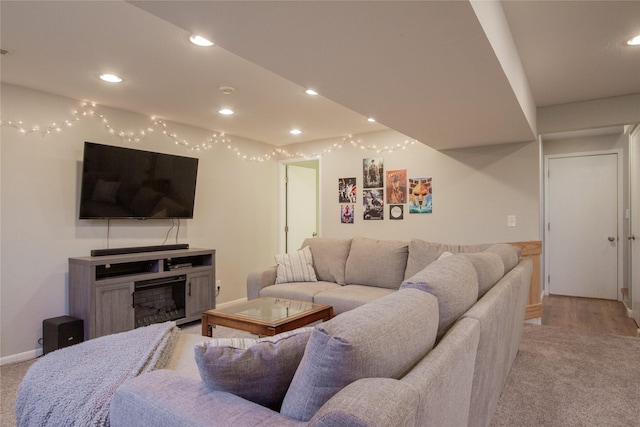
[567,378]
[560,378]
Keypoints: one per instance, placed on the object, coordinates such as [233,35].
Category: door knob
[632,237]
[611,238]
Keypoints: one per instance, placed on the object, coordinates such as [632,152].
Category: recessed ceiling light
[295,131]
[634,41]
[200,41]
[311,92]
[371,120]
[111,78]
[226,111]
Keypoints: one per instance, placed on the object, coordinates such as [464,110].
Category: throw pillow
[257,370]
[295,267]
[454,282]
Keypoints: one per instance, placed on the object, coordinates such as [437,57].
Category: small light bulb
[200,41]
[634,41]
[311,92]
[225,111]
[295,131]
[111,78]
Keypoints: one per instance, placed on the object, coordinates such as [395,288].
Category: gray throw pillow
[454,283]
[381,339]
[257,370]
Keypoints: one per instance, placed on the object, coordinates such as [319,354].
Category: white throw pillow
[295,267]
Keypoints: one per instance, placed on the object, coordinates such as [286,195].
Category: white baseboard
[32,354]
[20,357]
[534,321]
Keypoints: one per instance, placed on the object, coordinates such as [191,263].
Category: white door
[582,227]
[634,235]
[301,203]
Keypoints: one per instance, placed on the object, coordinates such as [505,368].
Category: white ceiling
[423,68]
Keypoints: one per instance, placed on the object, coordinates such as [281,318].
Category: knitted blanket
[73,386]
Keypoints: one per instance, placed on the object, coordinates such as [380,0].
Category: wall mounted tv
[119,183]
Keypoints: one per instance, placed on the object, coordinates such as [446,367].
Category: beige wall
[475,189]
[235,211]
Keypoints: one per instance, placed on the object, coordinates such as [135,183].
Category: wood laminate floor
[588,314]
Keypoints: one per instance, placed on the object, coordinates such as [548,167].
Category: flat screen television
[120,183]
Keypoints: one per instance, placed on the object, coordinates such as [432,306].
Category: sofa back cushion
[510,254]
[380,263]
[454,282]
[423,253]
[329,257]
[384,338]
[489,268]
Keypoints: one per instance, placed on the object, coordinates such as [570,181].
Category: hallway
[588,314]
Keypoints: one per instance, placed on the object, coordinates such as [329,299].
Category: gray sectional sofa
[425,335]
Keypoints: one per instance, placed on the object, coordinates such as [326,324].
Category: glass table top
[270,309]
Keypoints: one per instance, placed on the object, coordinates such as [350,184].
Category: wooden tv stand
[101,289]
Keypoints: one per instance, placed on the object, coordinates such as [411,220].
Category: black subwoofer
[59,332]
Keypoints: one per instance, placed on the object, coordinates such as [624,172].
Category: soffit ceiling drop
[425,69]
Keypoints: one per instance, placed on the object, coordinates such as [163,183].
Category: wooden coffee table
[266,316]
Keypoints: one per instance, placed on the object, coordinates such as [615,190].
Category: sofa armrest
[259,279]
[444,377]
[169,399]
[380,402]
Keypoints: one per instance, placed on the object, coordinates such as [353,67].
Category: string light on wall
[88,109]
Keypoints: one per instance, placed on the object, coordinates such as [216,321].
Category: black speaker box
[60,332]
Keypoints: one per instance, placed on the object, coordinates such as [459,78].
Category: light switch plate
[511,220]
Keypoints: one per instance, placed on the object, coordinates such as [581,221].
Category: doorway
[300,203]
[582,224]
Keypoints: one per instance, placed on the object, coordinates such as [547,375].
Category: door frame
[633,309]
[282,198]
[620,212]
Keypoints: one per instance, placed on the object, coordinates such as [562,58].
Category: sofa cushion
[298,291]
[378,339]
[348,297]
[454,282]
[378,263]
[489,268]
[295,267]
[257,370]
[329,257]
[423,253]
[510,254]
